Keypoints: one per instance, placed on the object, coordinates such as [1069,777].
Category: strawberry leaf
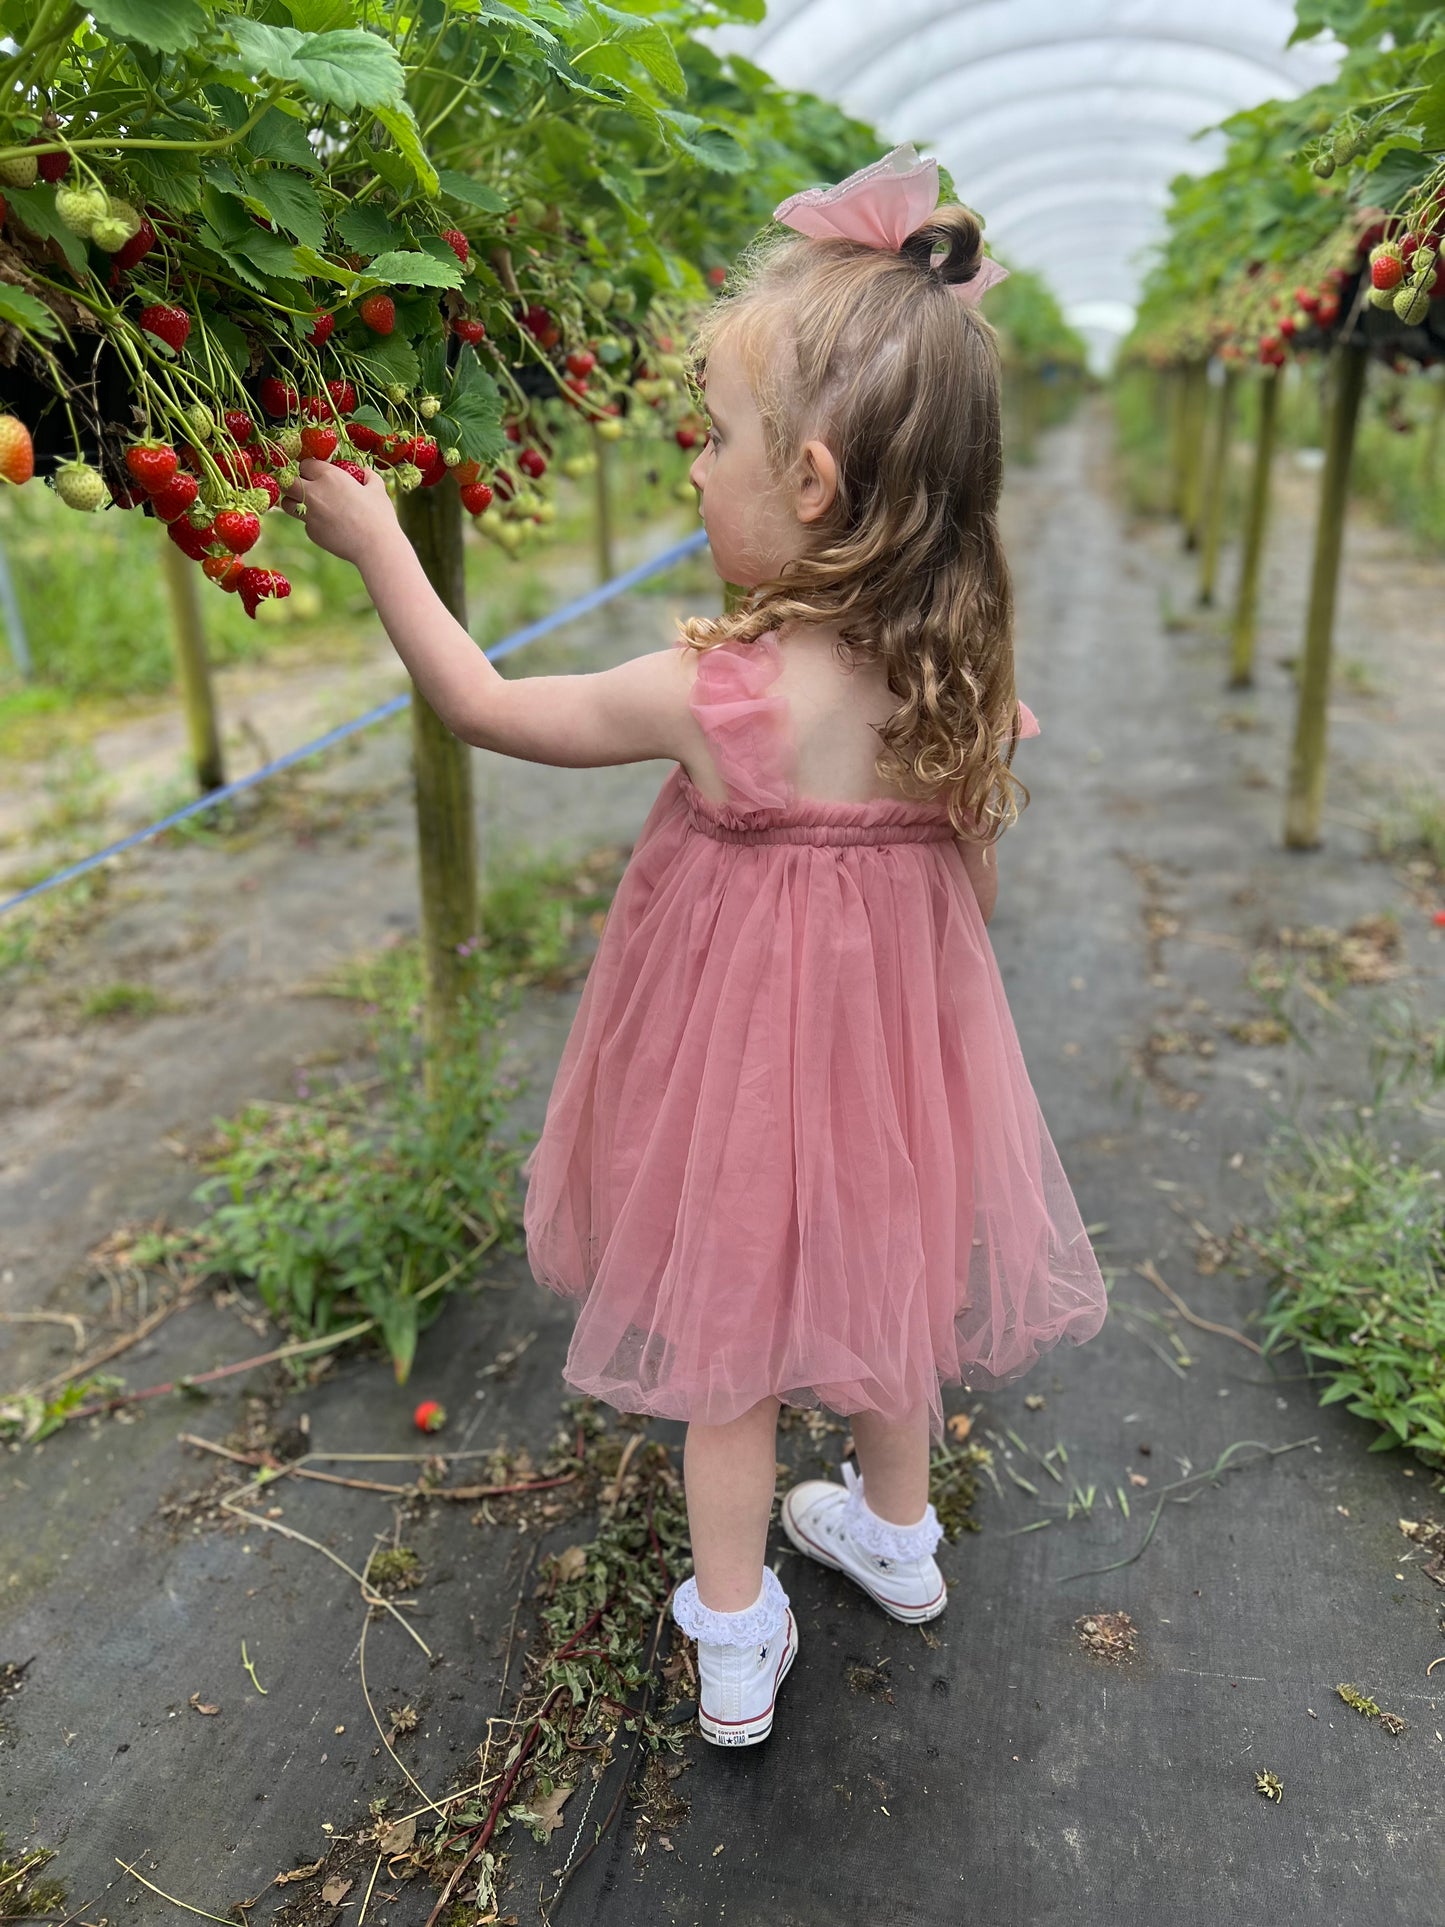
[165,26]
[279,137]
[388,359]
[291,202]
[26,312]
[35,209]
[410,268]
[347,68]
[400,123]
[368,229]
[461,187]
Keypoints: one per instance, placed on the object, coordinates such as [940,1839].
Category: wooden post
[606,560]
[1178,379]
[1196,395]
[442,773]
[1432,435]
[193,669]
[1216,486]
[1246,602]
[1305,804]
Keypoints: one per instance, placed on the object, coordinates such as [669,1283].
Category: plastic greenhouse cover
[1061,121]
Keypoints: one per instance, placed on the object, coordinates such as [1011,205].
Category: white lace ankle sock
[881,1537]
[750,1627]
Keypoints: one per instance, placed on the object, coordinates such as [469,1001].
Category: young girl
[792,1154]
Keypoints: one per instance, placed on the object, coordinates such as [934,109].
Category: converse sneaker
[742,1660]
[893,1564]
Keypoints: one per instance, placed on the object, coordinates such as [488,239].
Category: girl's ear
[817,481]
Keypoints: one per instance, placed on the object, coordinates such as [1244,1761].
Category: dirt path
[993,1768]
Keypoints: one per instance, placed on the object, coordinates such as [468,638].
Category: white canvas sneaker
[893,1564]
[742,1660]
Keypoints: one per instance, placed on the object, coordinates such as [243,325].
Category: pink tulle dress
[792,1147]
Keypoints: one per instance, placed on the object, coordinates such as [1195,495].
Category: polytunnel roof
[1062,122]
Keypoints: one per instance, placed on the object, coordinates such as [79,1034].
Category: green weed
[22,1895]
[1413,825]
[34,934]
[123,1000]
[1358,1248]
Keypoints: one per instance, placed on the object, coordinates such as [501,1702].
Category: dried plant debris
[1258,1032]
[1271,1787]
[1368,952]
[1352,1696]
[1111,1636]
[1425,1533]
[870,1680]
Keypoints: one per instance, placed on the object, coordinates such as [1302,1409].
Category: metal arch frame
[990,187]
[1013,125]
[902,107]
[1177,45]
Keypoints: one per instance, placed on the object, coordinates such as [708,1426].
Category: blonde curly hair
[867,350]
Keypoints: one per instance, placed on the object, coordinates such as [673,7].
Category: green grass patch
[122,1000]
[1413,826]
[1358,1247]
[374,1199]
[35,934]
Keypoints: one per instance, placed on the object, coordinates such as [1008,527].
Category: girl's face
[754,523]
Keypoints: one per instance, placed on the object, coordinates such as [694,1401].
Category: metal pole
[14,621]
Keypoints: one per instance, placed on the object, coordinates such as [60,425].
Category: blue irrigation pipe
[569,612]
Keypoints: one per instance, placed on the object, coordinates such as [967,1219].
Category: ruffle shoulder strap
[749,729]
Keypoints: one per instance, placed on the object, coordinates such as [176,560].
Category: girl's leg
[730,1473]
[893,1459]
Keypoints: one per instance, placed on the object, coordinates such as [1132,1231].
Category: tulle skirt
[792,1148]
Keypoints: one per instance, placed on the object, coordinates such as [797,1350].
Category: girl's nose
[694,474]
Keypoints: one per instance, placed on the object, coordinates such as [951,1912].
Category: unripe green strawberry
[289,442]
[1324,165]
[200,421]
[533,211]
[451,456]
[80,208]
[624,301]
[120,223]
[286,475]
[599,293]
[1381,297]
[408,476]
[1346,143]
[21,171]
[428,406]
[1412,304]
[199,515]
[81,487]
[258,500]
[396,393]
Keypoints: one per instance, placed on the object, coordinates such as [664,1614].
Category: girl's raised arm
[629,714]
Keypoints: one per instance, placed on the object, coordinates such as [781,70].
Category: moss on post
[1305,805]
[602,528]
[442,772]
[1196,396]
[1216,486]
[1256,526]
[194,669]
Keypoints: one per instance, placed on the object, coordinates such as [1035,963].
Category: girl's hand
[348,518]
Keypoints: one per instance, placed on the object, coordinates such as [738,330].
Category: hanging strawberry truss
[426,243]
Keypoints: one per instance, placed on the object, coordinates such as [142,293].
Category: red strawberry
[224,570]
[151,463]
[364,438]
[394,450]
[429,1416]
[378,311]
[176,497]
[466,473]
[476,498]
[256,584]
[189,539]
[532,462]
[353,469]
[1288,326]
[321,333]
[503,485]
[316,408]
[17,451]
[1328,311]
[424,452]
[4,210]
[167,324]
[277,397]
[536,321]
[434,472]
[343,396]
[136,248]
[469,330]
[319,443]
[581,361]
[239,529]
[236,465]
[576,386]
[268,484]
[686,438]
[716,276]
[53,167]
[460,246]
[1387,266]
[239,426]
[513,431]
[1307,299]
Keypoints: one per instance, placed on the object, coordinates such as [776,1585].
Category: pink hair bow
[880,206]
